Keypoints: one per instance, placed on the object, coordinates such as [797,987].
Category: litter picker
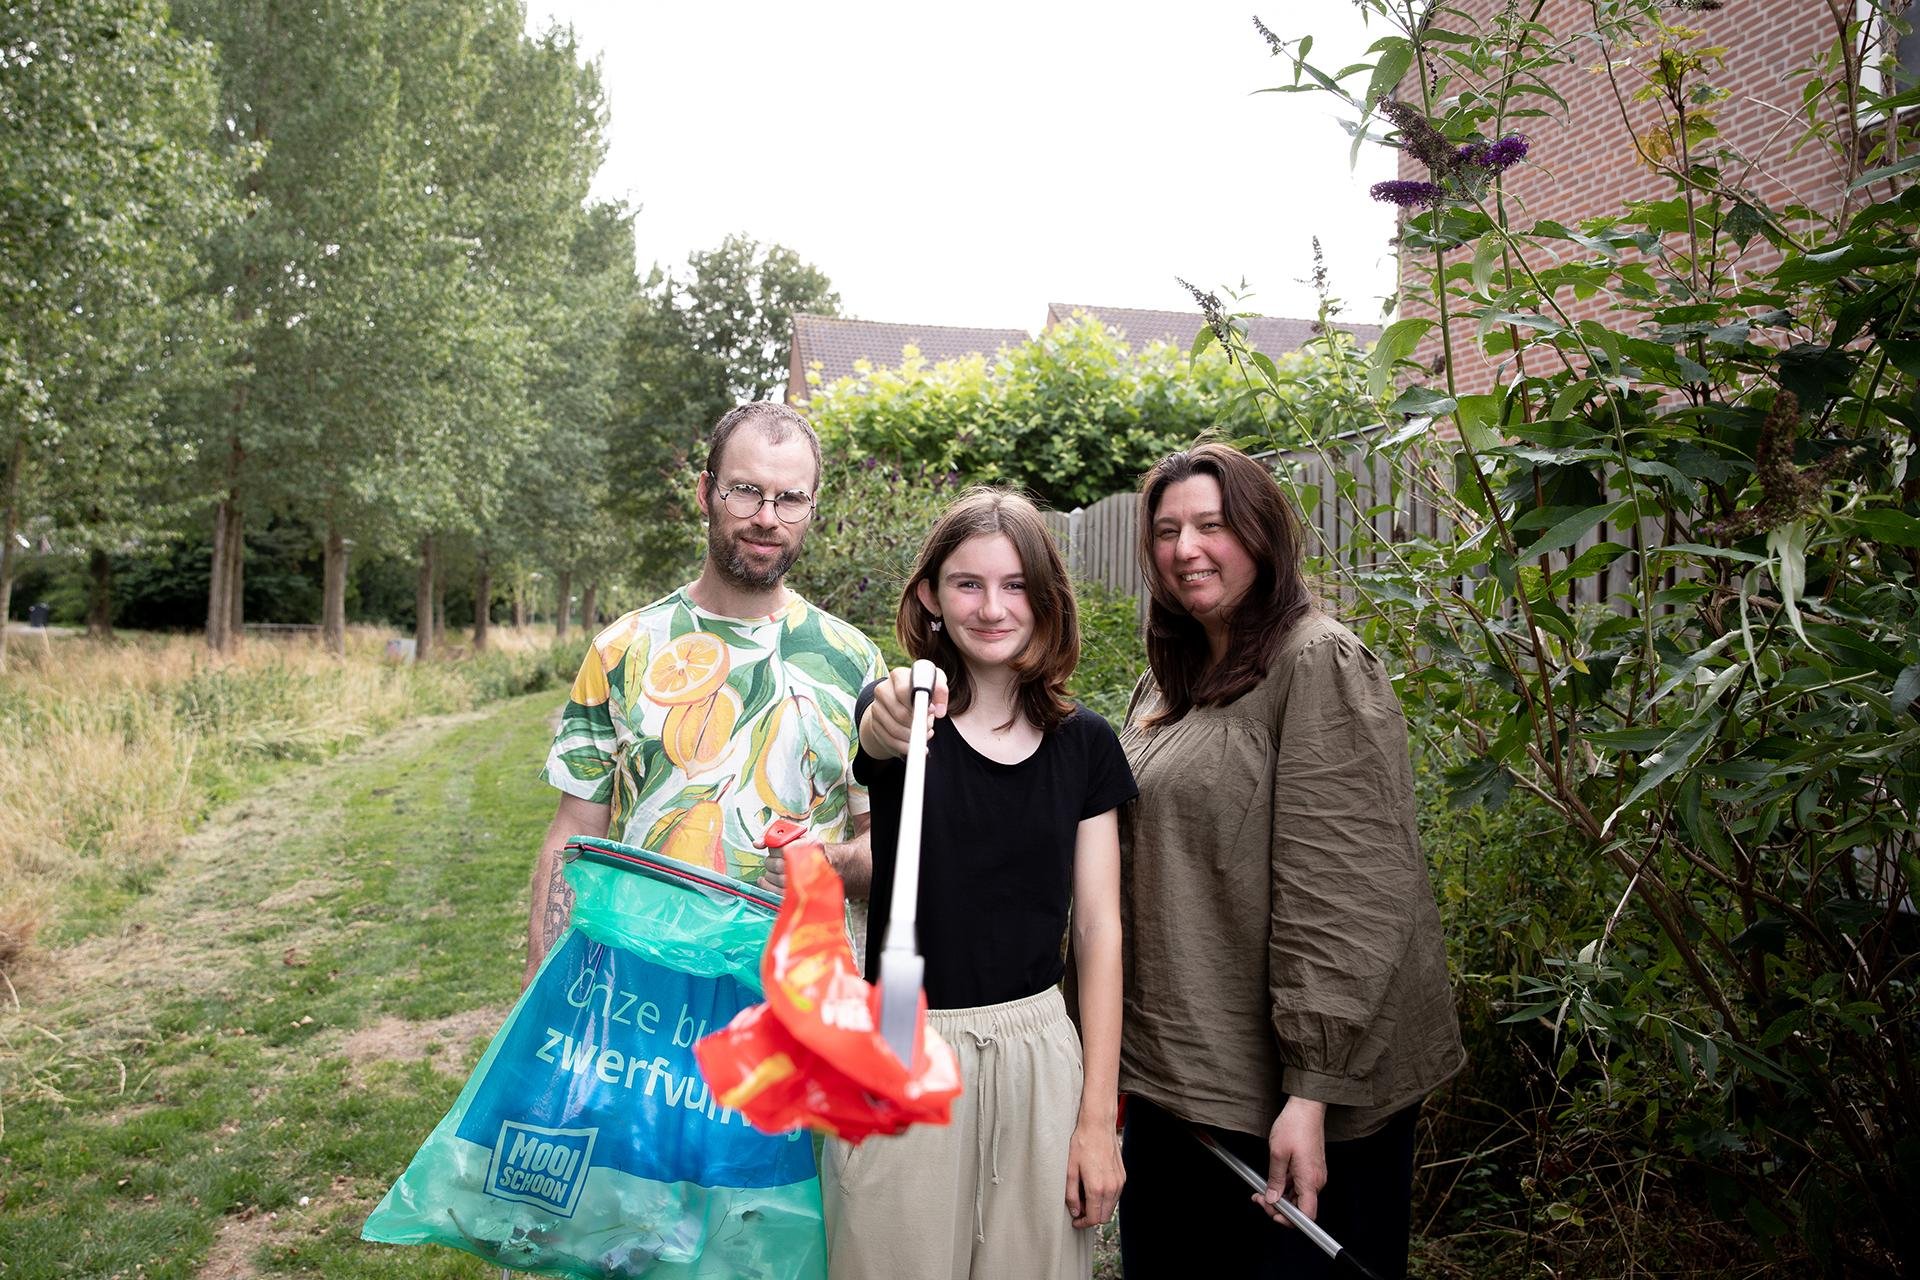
[1344,1263]
[902,971]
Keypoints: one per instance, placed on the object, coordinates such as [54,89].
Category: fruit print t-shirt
[699,729]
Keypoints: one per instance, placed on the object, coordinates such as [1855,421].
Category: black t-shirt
[996,854]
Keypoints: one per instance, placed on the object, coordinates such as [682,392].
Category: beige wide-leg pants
[984,1198]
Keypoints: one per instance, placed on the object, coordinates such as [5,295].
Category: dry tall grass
[110,751]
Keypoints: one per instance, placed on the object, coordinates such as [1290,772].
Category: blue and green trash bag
[586,1142]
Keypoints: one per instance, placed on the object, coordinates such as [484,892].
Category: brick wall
[1582,162]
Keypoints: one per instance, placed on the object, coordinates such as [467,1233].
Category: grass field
[109,751]
[222,1084]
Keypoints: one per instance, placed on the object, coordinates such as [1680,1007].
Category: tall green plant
[1072,416]
[1675,591]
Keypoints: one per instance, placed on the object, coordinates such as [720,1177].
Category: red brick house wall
[1582,162]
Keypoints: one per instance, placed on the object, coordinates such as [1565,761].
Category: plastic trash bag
[586,1143]
[812,1054]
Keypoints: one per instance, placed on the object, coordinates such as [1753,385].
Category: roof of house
[1272,335]
[836,343]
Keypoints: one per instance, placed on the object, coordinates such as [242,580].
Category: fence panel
[1097,542]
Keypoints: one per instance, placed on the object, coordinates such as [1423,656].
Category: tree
[559,511]
[697,345]
[105,186]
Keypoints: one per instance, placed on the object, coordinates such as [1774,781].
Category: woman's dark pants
[1183,1213]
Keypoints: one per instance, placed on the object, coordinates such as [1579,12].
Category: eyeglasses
[743,502]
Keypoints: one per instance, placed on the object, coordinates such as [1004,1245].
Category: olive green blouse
[1280,930]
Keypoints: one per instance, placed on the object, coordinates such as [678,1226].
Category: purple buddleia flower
[1419,139]
[1504,154]
[1406,194]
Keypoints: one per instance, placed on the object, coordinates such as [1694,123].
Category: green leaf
[1788,546]
[1573,528]
[1674,755]
[1395,344]
[1906,689]
[1872,176]
[1884,525]
[1838,260]
[1591,561]
[1701,549]
[1630,740]
[1485,255]
[1482,782]
[1396,55]
[1478,418]
[1429,401]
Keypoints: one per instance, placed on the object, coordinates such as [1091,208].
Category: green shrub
[1724,756]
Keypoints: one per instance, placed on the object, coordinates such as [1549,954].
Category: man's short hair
[779,421]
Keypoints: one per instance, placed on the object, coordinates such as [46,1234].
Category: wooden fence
[1099,541]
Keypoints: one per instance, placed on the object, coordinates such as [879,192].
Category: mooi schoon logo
[541,1166]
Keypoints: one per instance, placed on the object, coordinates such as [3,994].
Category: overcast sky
[949,164]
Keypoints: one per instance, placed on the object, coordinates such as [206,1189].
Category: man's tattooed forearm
[559,907]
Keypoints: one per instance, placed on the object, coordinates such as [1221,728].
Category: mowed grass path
[224,1081]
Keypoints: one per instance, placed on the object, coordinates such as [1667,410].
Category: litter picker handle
[1344,1263]
[901,968]
[906,864]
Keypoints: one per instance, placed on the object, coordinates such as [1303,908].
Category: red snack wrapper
[812,1055]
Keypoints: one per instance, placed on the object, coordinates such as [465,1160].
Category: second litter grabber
[1342,1262]
[902,971]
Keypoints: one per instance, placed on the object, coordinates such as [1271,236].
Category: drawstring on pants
[985,1161]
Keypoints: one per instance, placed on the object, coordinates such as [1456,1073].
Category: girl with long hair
[1019,838]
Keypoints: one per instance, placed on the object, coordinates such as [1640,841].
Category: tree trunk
[224,614]
[99,595]
[218,613]
[590,608]
[482,604]
[423,603]
[333,598]
[236,576]
[519,605]
[10,526]
[563,605]
[439,602]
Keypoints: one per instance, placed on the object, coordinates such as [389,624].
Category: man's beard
[723,549]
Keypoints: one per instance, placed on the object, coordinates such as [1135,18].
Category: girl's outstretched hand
[883,729]
[1094,1173]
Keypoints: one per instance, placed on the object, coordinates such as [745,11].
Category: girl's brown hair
[1050,656]
[1259,515]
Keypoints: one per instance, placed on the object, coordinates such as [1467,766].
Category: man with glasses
[699,719]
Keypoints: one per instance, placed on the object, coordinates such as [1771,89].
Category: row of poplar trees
[331,262]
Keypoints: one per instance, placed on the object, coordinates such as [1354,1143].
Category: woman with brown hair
[1018,835]
[1285,977]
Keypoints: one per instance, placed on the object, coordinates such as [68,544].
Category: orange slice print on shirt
[688,669]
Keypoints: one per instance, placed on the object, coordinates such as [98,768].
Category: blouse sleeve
[1346,873]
